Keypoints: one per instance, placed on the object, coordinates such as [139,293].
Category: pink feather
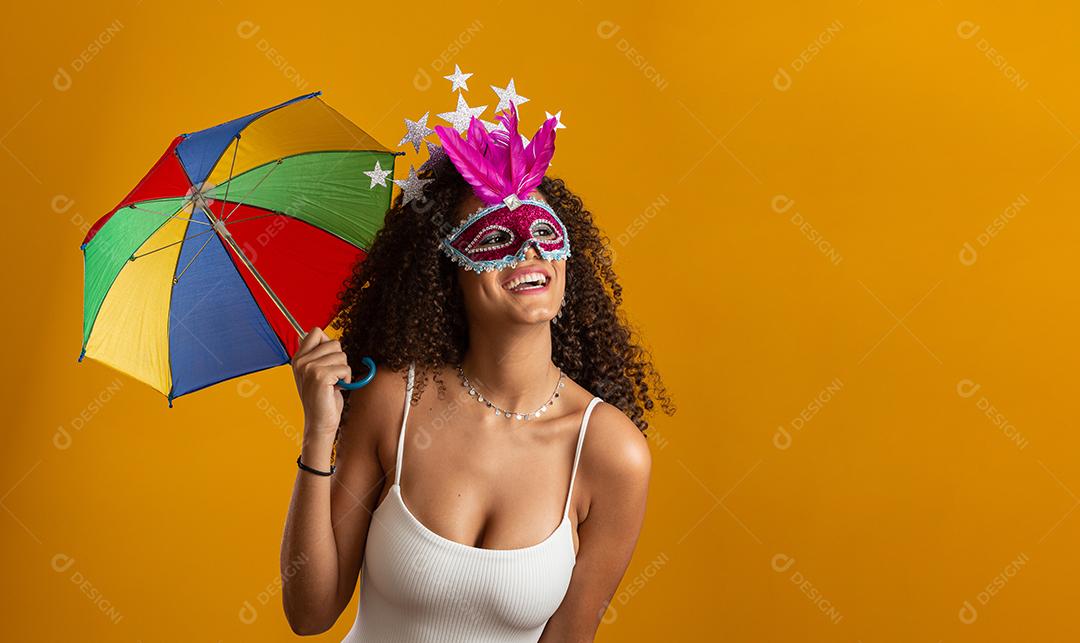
[501,137]
[471,164]
[531,149]
[493,149]
[538,157]
[516,169]
[477,136]
[497,164]
[500,149]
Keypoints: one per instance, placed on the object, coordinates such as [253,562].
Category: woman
[446,497]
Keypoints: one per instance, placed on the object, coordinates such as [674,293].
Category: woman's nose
[531,252]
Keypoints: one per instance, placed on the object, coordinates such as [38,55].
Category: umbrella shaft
[219,225]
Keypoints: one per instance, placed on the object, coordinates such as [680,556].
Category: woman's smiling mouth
[529,280]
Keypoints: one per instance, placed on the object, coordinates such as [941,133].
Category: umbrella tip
[82,354]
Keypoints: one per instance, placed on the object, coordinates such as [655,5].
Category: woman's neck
[512,365]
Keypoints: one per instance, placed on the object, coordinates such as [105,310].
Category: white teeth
[531,276]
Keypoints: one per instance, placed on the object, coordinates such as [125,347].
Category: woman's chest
[419,571]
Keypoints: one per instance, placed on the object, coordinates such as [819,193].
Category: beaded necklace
[500,411]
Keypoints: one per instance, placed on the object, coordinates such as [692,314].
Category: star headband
[504,168]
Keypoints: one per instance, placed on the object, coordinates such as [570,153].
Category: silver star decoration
[416,132]
[558,119]
[378,176]
[435,152]
[411,187]
[458,79]
[459,118]
[507,95]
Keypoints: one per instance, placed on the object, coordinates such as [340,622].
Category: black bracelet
[315,471]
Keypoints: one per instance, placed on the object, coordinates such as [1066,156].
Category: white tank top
[417,586]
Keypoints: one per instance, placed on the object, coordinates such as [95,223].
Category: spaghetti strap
[577,452]
[404,419]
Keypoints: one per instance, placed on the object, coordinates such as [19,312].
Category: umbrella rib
[175,216]
[181,273]
[257,184]
[271,214]
[134,257]
[232,166]
[189,220]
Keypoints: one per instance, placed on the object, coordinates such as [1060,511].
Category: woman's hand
[317,366]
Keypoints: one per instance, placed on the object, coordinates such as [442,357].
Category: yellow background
[789,190]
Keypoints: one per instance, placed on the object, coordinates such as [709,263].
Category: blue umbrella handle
[355,384]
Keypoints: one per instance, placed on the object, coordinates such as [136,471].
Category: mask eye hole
[544,231]
[492,237]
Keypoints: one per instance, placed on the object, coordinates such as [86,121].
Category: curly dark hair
[401,305]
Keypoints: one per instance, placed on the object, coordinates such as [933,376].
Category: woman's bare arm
[326,527]
[618,465]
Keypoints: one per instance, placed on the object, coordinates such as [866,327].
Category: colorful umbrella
[187,279]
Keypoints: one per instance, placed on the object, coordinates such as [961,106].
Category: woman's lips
[527,281]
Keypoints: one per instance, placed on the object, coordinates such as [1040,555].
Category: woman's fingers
[330,359]
[339,373]
[326,348]
[316,370]
[317,366]
[314,338]
[327,375]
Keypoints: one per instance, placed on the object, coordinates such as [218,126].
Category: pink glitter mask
[497,237]
[503,171]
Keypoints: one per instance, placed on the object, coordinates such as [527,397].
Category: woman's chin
[531,314]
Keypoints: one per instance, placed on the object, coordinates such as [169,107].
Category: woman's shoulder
[373,416]
[616,464]
[379,403]
[614,446]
